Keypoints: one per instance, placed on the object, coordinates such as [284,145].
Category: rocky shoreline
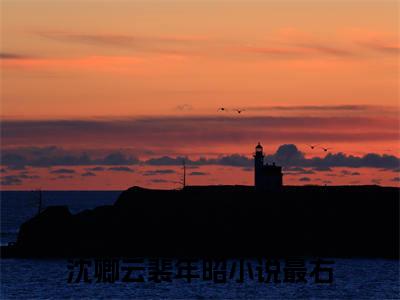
[228,221]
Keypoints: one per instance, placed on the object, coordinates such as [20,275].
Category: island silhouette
[267,219]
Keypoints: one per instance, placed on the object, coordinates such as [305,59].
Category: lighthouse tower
[258,165]
[266,177]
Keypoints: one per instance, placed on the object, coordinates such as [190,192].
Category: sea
[352,278]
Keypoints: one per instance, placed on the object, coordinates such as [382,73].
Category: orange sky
[85,61]
[84,58]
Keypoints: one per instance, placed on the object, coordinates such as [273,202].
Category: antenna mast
[40,201]
[184,174]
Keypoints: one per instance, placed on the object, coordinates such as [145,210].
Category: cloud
[197,173]
[3,170]
[167,161]
[117,158]
[322,169]
[381,46]
[17,179]
[324,49]
[307,179]
[235,160]
[119,64]
[92,39]
[184,107]
[156,132]
[95,169]
[287,155]
[17,158]
[395,170]
[64,177]
[371,160]
[158,44]
[192,167]
[294,169]
[63,171]
[395,179]
[297,171]
[158,172]
[13,160]
[159,181]
[121,169]
[307,172]
[293,43]
[272,51]
[305,50]
[349,173]
[14,56]
[10,180]
[88,174]
[314,108]
[378,41]
[26,176]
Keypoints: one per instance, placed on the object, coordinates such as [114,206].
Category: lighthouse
[258,165]
[266,176]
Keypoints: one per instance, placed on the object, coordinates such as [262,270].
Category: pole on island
[184,174]
[39,201]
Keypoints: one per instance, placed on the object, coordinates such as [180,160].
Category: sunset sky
[111,94]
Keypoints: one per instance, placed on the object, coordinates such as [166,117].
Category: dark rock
[229,221]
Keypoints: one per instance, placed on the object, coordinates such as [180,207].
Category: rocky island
[229,221]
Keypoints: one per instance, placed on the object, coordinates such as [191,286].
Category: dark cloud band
[199,130]
[287,155]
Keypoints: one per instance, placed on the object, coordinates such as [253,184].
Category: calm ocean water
[41,279]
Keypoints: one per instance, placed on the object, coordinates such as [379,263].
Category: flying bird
[239,110]
[312,146]
[222,109]
[325,149]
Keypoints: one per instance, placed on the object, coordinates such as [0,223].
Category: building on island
[266,176]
